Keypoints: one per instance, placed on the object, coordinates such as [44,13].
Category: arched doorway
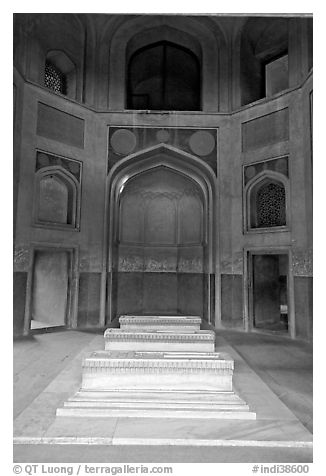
[160,233]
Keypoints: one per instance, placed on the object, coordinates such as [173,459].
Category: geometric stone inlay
[123,141]
[202,143]
[279,165]
[163,135]
[44,159]
[182,138]
[250,172]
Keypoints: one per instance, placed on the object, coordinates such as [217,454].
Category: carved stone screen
[54,79]
[270,206]
[160,244]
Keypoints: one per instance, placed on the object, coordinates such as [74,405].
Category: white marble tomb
[169,323]
[157,366]
[159,340]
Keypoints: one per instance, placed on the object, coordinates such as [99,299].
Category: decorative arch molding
[130,33]
[147,160]
[72,199]
[163,33]
[251,189]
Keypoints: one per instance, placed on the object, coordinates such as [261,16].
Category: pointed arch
[56,198]
[184,29]
[151,159]
[155,82]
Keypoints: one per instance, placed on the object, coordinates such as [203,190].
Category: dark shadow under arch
[164,76]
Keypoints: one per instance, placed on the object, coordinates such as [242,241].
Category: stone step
[182,323]
[156,396]
[156,405]
[159,340]
[109,370]
[144,412]
[147,405]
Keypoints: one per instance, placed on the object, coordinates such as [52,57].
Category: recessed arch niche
[159,234]
[164,76]
[190,33]
[262,41]
[267,202]
[56,198]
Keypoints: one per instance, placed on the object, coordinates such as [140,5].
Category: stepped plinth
[112,370]
[149,323]
[157,366]
[159,340]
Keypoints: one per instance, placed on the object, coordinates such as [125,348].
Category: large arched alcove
[164,76]
[187,32]
[160,236]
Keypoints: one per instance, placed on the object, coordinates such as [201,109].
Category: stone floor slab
[275,424]
[159,454]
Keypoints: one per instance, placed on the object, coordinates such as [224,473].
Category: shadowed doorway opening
[270,292]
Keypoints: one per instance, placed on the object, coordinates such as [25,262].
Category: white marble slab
[108,370]
[182,323]
[159,340]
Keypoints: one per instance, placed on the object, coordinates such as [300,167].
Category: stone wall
[87,134]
